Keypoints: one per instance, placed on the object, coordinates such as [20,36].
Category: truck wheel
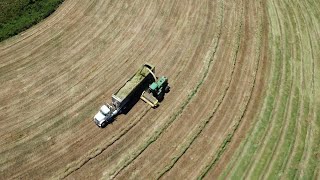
[103,125]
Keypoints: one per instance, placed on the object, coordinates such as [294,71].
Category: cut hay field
[244,100]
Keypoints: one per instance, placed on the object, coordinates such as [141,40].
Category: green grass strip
[273,139]
[286,147]
[17,16]
[293,167]
[253,141]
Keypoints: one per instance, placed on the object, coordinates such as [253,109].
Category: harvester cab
[159,88]
[156,91]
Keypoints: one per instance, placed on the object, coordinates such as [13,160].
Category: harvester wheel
[167,89]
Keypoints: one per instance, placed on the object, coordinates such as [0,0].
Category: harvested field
[244,99]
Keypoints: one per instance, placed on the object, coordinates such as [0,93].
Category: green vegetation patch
[18,15]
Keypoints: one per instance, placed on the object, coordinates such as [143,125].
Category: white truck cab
[103,115]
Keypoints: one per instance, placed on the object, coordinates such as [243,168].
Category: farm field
[244,100]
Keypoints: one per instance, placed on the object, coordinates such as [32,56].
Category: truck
[140,80]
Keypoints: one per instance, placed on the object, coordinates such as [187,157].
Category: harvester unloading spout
[154,76]
[155,91]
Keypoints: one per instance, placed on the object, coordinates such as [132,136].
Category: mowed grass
[284,142]
[18,15]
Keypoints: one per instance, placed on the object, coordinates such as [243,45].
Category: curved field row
[244,99]
[250,109]
[276,145]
